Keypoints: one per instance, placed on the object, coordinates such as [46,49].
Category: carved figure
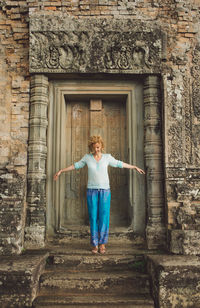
[109,61]
[66,57]
[37,53]
[123,62]
[52,59]
[138,56]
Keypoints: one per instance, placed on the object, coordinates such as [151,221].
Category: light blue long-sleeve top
[98,171]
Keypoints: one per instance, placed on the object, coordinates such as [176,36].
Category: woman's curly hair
[95,139]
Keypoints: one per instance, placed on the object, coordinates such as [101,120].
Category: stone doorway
[77,49]
[76,111]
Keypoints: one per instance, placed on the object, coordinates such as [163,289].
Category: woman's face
[97,148]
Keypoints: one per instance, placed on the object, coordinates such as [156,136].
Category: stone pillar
[36,192]
[155,231]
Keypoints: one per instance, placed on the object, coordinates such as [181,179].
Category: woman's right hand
[56,175]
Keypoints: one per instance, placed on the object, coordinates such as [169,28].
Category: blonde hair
[95,139]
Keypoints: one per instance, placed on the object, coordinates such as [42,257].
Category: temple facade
[126,70]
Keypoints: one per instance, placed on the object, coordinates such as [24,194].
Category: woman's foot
[102,249]
[94,249]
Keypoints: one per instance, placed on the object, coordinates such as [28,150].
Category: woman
[98,189]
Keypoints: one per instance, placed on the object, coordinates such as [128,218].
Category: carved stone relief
[128,56]
[196,105]
[196,82]
[93,46]
[175,143]
[196,144]
[61,50]
[188,121]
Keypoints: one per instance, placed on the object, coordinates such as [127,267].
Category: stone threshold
[82,233]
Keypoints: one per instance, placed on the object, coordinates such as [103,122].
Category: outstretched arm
[133,167]
[63,170]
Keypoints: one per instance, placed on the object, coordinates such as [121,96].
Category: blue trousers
[98,202]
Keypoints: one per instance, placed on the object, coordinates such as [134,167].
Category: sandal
[102,249]
[95,249]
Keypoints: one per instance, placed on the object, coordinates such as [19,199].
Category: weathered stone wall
[14,115]
[181,108]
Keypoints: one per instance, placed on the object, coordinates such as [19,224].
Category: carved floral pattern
[196,81]
[196,105]
[88,51]
[50,50]
[175,143]
[127,57]
[188,121]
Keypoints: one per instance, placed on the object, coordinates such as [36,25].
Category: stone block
[14,10]
[172,209]
[156,236]
[190,35]
[21,159]
[16,82]
[19,278]
[103,2]
[50,8]
[186,242]
[22,3]
[34,236]
[16,110]
[15,16]
[175,280]
[4,150]
[11,211]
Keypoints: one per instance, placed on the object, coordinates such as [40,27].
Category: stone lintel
[69,45]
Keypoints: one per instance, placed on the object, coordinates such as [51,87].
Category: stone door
[84,117]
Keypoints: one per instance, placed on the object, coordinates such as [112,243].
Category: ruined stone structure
[66,68]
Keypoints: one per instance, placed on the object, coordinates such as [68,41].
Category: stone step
[93,300]
[72,233]
[98,262]
[83,247]
[78,253]
[125,282]
[75,277]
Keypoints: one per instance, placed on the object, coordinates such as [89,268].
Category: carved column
[155,231]
[36,194]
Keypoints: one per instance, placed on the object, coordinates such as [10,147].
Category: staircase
[75,278]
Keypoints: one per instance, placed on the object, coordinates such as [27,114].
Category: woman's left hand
[139,170]
[125,165]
